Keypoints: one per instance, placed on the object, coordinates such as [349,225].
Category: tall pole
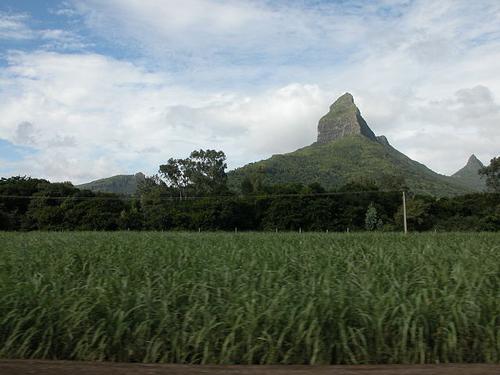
[404,213]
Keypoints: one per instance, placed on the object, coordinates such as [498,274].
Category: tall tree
[176,174]
[207,172]
[372,220]
[202,173]
[492,173]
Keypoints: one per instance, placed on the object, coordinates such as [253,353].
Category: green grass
[250,298]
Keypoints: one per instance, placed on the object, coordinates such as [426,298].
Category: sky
[94,88]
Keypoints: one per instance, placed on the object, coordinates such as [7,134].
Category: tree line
[193,194]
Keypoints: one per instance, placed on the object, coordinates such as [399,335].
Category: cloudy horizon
[94,88]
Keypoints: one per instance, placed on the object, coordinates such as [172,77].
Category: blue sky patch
[11,152]
[252,76]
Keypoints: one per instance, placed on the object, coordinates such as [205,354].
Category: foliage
[418,214]
[21,187]
[337,163]
[31,204]
[288,207]
[492,173]
[176,175]
[201,174]
[208,172]
[250,298]
[372,221]
[247,186]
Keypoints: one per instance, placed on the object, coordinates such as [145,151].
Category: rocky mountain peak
[382,139]
[346,99]
[474,162]
[469,174]
[343,119]
[139,176]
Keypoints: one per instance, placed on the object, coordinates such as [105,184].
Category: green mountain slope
[349,158]
[121,184]
[469,174]
[347,150]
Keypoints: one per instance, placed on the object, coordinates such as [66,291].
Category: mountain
[469,174]
[121,184]
[348,150]
[343,119]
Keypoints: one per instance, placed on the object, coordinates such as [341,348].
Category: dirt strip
[16,367]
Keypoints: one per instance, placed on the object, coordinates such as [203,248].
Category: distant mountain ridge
[469,174]
[120,184]
[346,150]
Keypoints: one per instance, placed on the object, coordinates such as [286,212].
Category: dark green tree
[247,186]
[177,175]
[372,221]
[206,172]
[418,213]
[203,173]
[492,173]
[46,209]
[15,193]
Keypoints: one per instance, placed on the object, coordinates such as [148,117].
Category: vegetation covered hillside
[121,184]
[469,174]
[347,159]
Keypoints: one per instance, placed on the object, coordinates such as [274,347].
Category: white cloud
[13,26]
[440,132]
[198,36]
[16,27]
[77,109]
[253,78]
[62,40]
[24,134]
